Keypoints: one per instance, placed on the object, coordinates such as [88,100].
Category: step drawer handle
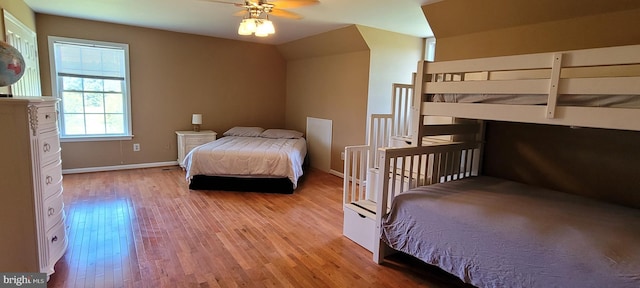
[48,180]
[51,211]
[46,147]
[54,239]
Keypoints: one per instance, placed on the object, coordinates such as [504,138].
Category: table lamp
[196,120]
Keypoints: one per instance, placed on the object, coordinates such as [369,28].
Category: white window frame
[128,134]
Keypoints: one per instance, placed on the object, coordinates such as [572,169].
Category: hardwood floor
[145,228]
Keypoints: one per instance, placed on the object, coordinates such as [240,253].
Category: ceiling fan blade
[225,2]
[241,13]
[286,4]
[284,14]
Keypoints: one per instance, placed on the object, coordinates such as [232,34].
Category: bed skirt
[266,185]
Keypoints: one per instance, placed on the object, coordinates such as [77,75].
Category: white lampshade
[196,119]
[244,29]
[262,30]
[269,26]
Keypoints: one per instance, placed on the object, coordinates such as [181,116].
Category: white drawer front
[57,241]
[49,145]
[51,179]
[196,141]
[360,229]
[47,118]
[53,207]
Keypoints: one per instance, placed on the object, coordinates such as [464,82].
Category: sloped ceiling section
[338,41]
[450,18]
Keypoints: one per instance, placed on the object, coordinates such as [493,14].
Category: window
[91,79]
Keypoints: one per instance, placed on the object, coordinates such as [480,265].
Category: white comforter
[248,157]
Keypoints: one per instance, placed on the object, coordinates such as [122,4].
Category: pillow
[244,131]
[281,134]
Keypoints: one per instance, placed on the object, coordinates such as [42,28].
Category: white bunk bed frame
[601,71]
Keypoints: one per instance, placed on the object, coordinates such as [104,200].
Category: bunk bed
[432,202]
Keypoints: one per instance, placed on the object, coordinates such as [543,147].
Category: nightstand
[187,140]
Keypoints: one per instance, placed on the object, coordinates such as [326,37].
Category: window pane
[93,85]
[91,60]
[95,124]
[72,83]
[113,103]
[93,103]
[72,102]
[74,124]
[113,85]
[115,123]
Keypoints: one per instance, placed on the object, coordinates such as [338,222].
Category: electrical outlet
[136,147]
[342,155]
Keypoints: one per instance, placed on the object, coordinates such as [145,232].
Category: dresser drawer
[47,118]
[57,241]
[53,208]
[197,141]
[51,179]
[49,145]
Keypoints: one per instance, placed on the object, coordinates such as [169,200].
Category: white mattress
[496,233]
[626,101]
[248,157]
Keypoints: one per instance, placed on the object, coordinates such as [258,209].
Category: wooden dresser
[32,218]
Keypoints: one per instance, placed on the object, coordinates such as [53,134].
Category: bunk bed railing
[406,168]
[401,106]
[359,160]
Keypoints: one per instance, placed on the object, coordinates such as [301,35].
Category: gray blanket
[495,233]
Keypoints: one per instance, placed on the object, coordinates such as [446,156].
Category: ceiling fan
[256,14]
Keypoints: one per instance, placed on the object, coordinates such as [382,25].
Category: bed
[248,159]
[432,201]
[492,232]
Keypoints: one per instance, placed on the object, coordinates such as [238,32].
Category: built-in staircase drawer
[359,228]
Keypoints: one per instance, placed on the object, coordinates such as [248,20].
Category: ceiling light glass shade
[250,24]
[262,30]
[242,30]
[268,26]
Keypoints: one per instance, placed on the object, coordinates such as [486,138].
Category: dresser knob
[48,180]
[46,147]
[47,116]
[54,239]
[51,211]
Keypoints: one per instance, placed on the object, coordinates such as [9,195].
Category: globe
[11,64]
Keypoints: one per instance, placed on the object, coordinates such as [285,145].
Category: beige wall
[394,59]
[172,76]
[327,77]
[594,162]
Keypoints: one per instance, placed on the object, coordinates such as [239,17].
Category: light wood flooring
[145,228]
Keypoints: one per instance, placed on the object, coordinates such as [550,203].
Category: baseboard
[336,173]
[118,167]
